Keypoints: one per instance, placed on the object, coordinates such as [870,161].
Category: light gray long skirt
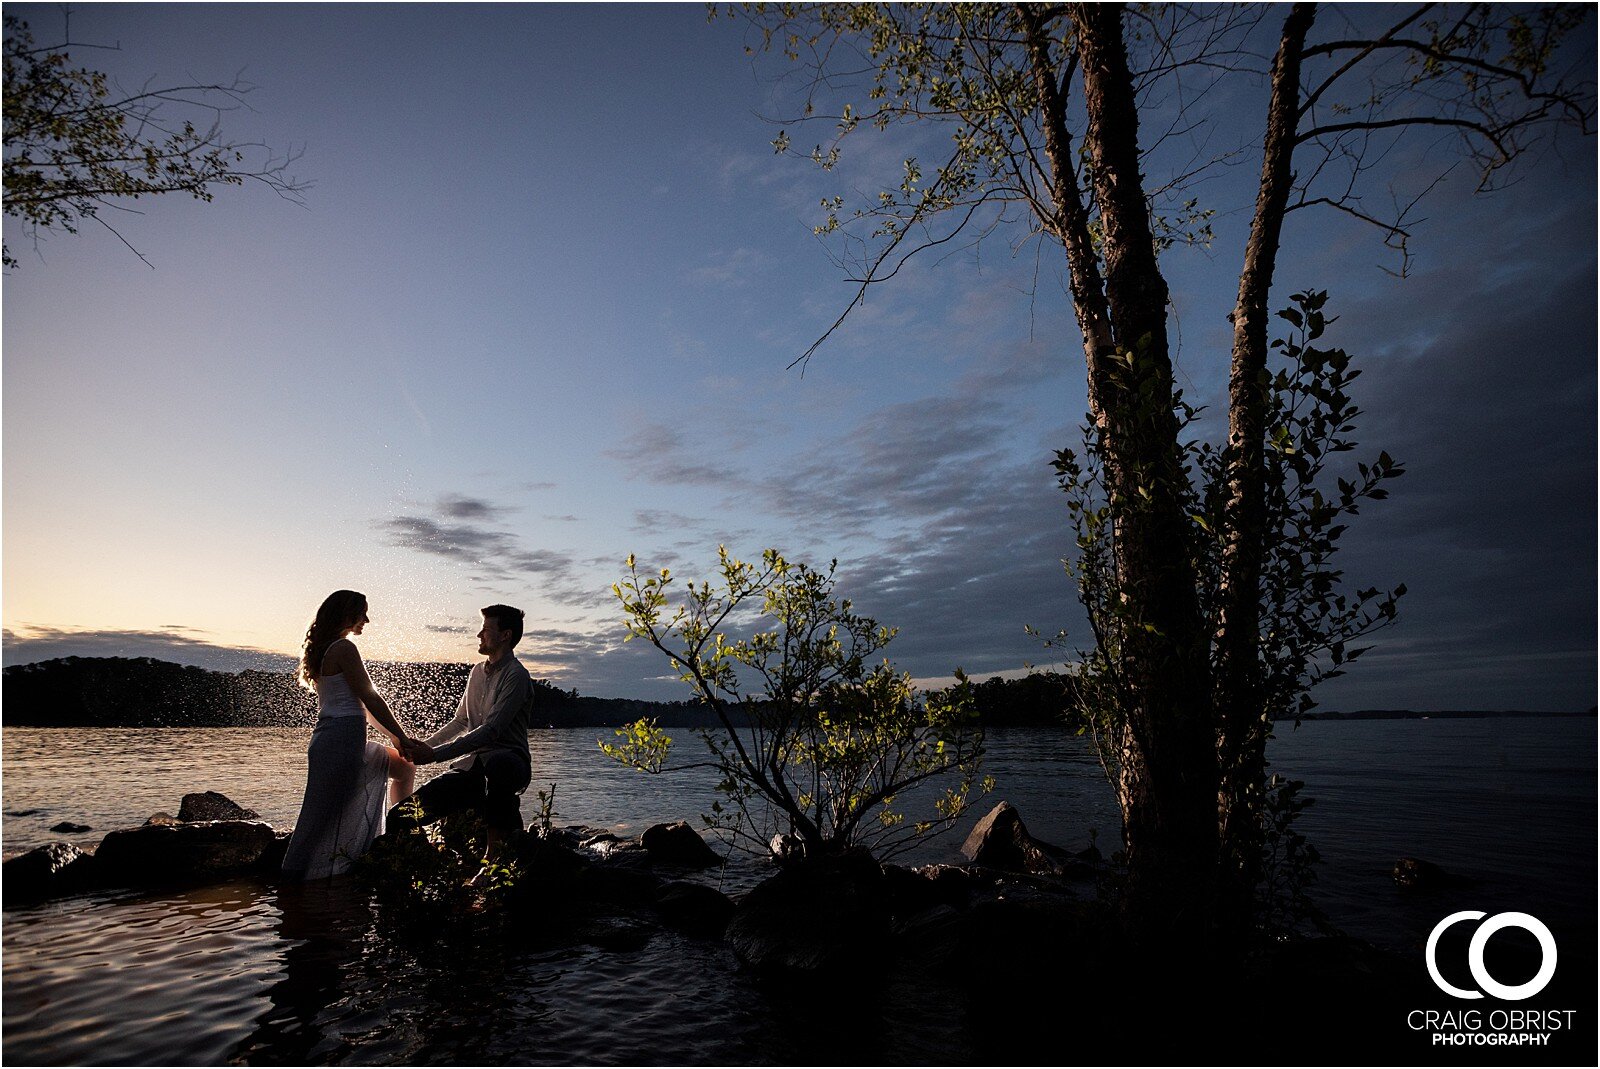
[345,801]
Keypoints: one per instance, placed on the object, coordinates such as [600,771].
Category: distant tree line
[1036,700]
[145,692]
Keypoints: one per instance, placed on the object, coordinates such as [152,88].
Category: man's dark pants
[491,786]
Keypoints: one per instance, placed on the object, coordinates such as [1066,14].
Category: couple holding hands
[355,788]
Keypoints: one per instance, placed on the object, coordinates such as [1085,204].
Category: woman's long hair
[337,610]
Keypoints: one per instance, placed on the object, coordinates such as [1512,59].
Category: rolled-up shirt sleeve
[457,724]
[513,694]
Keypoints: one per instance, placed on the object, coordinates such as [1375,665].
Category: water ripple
[239,973]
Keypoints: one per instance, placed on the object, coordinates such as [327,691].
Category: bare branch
[72,148]
[1312,97]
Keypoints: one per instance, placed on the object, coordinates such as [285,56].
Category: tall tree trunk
[1243,719]
[1168,767]
[1070,219]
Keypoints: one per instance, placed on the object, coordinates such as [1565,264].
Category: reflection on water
[248,973]
[320,928]
[127,979]
[245,975]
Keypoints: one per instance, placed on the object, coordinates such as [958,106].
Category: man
[487,739]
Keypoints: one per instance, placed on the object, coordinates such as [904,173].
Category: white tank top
[335,698]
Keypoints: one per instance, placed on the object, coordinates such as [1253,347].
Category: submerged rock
[572,835]
[623,885]
[1000,840]
[66,827]
[45,872]
[678,844]
[161,818]
[1414,874]
[619,853]
[613,932]
[211,805]
[694,908]
[163,853]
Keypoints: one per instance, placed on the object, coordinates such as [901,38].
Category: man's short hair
[506,619]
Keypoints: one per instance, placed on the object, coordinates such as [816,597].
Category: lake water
[234,974]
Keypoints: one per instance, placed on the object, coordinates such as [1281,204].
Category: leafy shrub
[816,741]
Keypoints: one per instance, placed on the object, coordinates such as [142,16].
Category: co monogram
[1480,939]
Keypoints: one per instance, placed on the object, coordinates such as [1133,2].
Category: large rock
[824,916]
[46,872]
[211,805]
[694,908]
[949,885]
[549,858]
[910,892]
[931,938]
[1001,841]
[1010,933]
[182,853]
[678,844]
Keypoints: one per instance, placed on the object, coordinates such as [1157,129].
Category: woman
[345,799]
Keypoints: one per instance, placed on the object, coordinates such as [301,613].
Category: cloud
[659,453]
[172,643]
[459,507]
[494,555]
[447,629]
[948,524]
[650,521]
[943,527]
[1491,410]
[737,267]
[947,529]
[906,462]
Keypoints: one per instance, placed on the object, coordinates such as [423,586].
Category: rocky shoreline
[778,928]
[1022,939]
[833,916]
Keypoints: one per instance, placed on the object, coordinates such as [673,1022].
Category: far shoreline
[1318,718]
[117,692]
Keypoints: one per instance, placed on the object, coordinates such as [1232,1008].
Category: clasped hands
[416,751]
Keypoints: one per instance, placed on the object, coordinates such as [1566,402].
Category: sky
[536,312]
